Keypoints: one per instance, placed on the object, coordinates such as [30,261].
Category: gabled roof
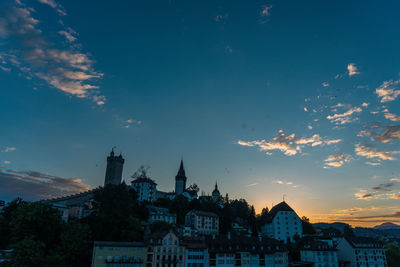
[157,237]
[283,206]
[363,242]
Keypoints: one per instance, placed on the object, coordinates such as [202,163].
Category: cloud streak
[370,153]
[346,117]
[336,160]
[34,185]
[288,144]
[352,69]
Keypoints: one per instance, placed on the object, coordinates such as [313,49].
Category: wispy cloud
[9,149]
[352,69]
[373,163]
[346,117]
[52,3]
[388,91]
[336,160]
[65,68]
[131,121]
[391,133]
[68,34]
[368,152]
[228,49]
[34,185]
[288,144]
[265,13]
[389,190]
[221,18]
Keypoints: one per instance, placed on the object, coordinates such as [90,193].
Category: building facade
[157,214]
[282,223]
[362,252]
[204,223]
[196,252]
[237,250]
[116,254]
[322,253]
[145,188]
[165,250]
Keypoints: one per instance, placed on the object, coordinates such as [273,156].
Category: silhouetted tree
[393,255]
[142,172]
[308,228]
[116,214]
[348,231]
[194,188]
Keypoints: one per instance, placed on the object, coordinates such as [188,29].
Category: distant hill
[387,226]
[384,230]
[337,225]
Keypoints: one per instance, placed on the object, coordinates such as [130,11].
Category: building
[165,249]
[2,204]
[157,214]
[282,223]
[322,253]
[202,222]
[114,169]
[239,250]
[216,195]
[180,180]
[362,252]
[196,252]
[145,188]
[116,254]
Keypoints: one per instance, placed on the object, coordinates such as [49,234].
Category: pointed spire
[181,172]
[216,185]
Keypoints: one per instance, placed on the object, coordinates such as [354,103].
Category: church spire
[180,180]
[216,185]
[181,172]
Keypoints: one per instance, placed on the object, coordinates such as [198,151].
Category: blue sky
[270,98]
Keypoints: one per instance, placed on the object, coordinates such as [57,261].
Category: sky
[273,99]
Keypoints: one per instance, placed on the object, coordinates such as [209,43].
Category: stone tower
[114,169]
[180,180]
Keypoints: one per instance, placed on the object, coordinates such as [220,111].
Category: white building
[362,252]
[202,222]
[282,223]
[320,252]
[166,250]
[146,189]
[157,214]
